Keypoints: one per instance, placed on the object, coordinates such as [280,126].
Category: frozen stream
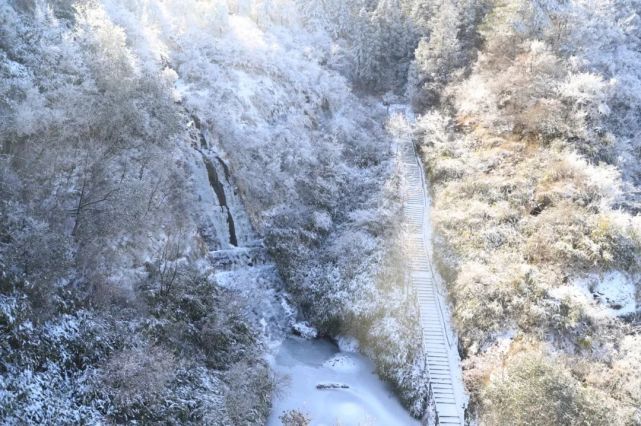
[308,363]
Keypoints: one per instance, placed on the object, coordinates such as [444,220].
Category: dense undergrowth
[104,228]
[527,152]
[109,310]
[106,314]
[168,355]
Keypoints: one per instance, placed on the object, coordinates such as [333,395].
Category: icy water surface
[308,363]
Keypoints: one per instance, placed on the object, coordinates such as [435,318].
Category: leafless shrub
[135,377]
[533,388]
[295,418]
[248,398]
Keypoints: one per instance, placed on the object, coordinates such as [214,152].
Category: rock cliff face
[236,257]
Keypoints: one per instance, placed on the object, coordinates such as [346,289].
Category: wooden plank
[433,325]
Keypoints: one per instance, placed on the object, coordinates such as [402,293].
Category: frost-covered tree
[437,57]
[378,37]
[447,46]
[110,108]
[94,156]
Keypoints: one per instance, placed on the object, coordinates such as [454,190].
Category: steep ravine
[302,366]
[311,161]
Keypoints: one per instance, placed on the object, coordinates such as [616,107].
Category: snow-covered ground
[304,364]
[610,294]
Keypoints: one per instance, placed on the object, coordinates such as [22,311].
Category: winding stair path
[439,344]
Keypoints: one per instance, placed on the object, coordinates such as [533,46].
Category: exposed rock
[323,386]
[305,330]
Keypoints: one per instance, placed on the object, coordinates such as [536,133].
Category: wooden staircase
[442,354]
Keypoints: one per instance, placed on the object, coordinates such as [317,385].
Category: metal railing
[402,150]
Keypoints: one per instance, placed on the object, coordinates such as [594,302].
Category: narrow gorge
[319,212]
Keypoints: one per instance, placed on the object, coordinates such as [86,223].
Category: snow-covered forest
[185,183]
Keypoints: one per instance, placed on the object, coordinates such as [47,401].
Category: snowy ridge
[446,385]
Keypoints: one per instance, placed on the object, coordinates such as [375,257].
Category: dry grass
[514,219]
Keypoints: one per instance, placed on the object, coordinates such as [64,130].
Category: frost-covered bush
[47,367]
[136,378]
[251,385]
[390,336]
[91,366]
[528,174]
[94,154]
[195,314]
[534,388]
[295,418]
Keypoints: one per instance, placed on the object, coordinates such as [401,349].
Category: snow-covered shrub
[295,418]
[136,378]
[250,385]
[528,178]
[197,314]
[47,367]
[390,335]
[534,388]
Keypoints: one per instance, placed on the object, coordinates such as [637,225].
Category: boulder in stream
[305,330]
[323,386]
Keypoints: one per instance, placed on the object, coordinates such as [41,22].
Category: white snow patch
[577,292]
[610,294]
[617,291]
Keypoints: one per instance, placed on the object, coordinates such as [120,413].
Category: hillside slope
[529,150]
[156,156]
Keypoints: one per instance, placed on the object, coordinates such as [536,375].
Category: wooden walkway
[438,343]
